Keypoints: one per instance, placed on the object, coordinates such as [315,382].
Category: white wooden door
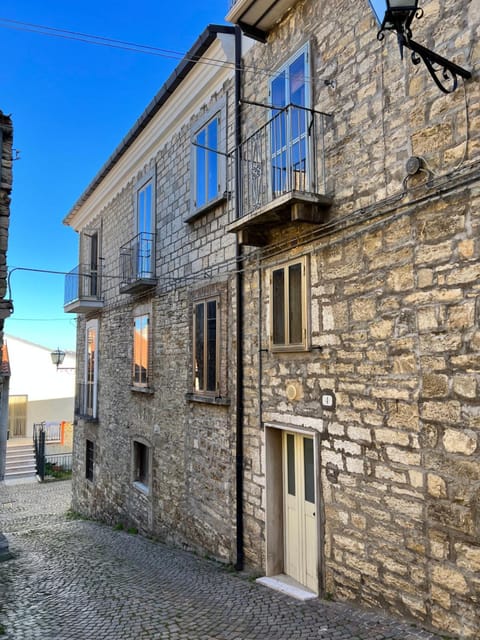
[300,530]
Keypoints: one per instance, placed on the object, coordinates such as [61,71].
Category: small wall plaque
[328,400]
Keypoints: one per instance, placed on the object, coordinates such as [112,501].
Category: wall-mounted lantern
[398,18]
[58,356]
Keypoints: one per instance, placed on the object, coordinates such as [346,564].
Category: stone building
[6,178]
[359,219]
[280,366]
[155,293]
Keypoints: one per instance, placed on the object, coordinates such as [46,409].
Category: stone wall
[394,317]
[190,501]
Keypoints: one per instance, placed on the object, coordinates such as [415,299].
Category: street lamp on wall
[58,356]
[398,18]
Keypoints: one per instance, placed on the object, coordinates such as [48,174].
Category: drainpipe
[239,319]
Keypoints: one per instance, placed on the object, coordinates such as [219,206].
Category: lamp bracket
[443,72]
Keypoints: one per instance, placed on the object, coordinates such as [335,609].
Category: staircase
[20,461]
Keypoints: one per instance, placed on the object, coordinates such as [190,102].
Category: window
[89,404]
[141,464]
[17,416]
[141,350]
[144,246]
[205,345]
[94,264]
[288,309]
[289,131]
[89,459]
[208,158]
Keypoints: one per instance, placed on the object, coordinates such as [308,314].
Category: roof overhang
[257,17]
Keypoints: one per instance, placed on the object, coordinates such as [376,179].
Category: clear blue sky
[71,104]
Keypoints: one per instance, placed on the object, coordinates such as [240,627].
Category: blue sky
[71,104]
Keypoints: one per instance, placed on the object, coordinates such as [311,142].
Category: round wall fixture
[414,164]
[291,392]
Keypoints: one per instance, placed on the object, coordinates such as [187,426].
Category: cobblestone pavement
[78,580]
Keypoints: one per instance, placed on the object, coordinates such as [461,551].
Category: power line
[14,318]
[125,45]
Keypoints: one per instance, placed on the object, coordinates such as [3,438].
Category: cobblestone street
[77,580]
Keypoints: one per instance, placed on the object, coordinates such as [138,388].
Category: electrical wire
[125,45]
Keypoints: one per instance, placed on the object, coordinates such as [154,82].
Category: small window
[205,346]
[141,463]
[141,351]
[208,158]
[288,307]
[89,459]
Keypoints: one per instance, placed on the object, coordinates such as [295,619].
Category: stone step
[19,466]
[14,475]
[20,462]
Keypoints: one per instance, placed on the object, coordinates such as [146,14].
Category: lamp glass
[402,5]
[57,356]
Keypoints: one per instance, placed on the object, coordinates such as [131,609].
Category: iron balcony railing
[285,155]
[137,259]
[83,282]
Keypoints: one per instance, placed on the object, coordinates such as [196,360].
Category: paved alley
[78,580]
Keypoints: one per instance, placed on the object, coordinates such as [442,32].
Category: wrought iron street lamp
[398,18]
[58,356]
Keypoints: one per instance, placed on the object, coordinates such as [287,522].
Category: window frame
[287,345]
[148,179]
[139,384]
[142,481]
[89,459]
[91,325]
[283,141]
[196,303]
[217,111]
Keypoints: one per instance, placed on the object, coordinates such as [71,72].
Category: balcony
[282,175]
[257,17]
[83,289]
[137,264]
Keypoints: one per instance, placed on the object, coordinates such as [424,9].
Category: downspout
[239,319]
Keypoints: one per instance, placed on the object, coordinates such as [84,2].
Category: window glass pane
[291,464]
[299,166]
[200,168]
[278,90]
[89,459]
[90,381]
[140,350]
[140,210]
[297,81]
[147,222]
[212,131]
[93,264]
[295,303]
[309,470]
[211,345]
[140,461]
[199,356]
[278,306]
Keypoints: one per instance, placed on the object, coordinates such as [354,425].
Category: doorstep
[287,585]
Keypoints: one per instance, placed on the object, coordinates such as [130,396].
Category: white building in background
[39,392]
